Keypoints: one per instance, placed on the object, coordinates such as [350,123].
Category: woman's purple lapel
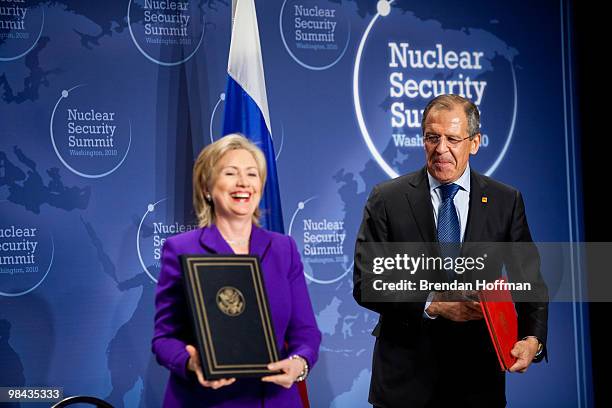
[213,242]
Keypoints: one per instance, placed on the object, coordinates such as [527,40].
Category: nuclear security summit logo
[402,62]
[90,133]
[21,25]
[166,32]
[156,225]
[315,33]
[321,238]
[26,251]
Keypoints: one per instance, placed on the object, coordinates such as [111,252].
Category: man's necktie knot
[448,191]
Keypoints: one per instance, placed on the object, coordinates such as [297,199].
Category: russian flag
[246,104]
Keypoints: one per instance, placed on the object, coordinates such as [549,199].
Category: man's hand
[194,365]
[524,351]
[444,305]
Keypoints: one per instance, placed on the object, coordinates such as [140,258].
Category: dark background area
[591,40]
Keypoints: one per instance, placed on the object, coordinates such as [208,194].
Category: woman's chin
[235,215]
[242,213]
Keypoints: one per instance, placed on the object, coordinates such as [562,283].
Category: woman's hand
[194,365]
[291,369]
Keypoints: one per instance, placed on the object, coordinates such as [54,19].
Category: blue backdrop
[104,105]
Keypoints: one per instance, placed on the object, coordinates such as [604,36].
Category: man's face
[446,161]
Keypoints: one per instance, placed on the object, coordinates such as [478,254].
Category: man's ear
[475,144]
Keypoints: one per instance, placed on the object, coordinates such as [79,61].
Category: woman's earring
[208,197]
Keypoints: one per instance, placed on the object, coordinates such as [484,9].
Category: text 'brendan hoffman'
[425,285]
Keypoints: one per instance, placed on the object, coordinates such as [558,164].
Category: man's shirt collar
[463,181]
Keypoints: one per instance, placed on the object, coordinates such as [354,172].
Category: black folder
[231,315]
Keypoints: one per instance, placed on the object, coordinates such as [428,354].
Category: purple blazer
[292,316]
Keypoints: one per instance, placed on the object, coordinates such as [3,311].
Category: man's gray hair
[448,102]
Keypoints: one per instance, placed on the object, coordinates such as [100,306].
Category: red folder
[500,315]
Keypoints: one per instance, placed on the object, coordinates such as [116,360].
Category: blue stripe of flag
[242,115]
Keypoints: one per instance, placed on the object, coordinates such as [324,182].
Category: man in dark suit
[435,351]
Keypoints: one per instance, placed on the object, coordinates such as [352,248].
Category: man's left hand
[524,351]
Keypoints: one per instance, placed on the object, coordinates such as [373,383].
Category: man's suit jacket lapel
[478,208]
[419,199]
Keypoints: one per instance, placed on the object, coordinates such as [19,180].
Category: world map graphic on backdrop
[342,131]
[34,182]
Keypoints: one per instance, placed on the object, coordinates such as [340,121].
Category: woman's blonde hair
[205,173]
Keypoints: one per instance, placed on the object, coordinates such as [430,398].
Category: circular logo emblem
[27,251]
[90,133]
[230,301]
[21,25]
[167,33]
[315,33]
[413,60]
[321,239]
[156,225]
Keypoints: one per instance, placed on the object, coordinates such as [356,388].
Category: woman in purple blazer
[228,180]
